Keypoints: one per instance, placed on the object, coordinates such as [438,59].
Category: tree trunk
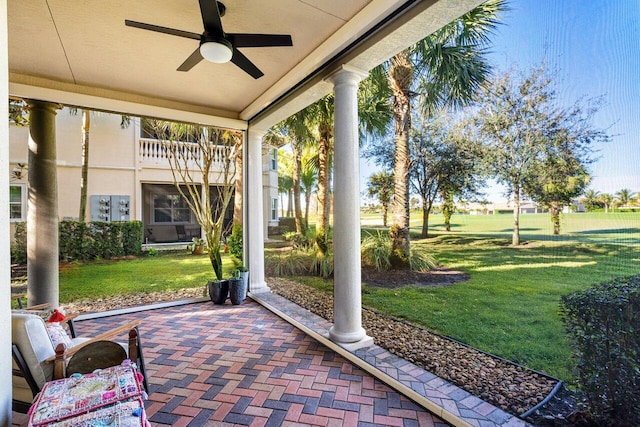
[86,127]
[307,202]
[385,213]
[297,202]
[555,210]
[426,210]
[290,203]
[400,79]
[237,197]
[322,224]
[516,217]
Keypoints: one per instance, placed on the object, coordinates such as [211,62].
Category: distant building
[129,178]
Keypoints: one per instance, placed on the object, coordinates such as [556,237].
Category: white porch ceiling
[80,52]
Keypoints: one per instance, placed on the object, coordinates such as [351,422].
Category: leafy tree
[533,146]
[448,209]
[209,159]
[591,199]
[442,165]
[446,68]
[625,196]
[18,112]
[380,186]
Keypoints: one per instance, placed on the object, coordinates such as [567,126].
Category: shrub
[19,244]
[132,237]
[376,251]
[420,260]
[290,264]
[322,265]
[603,324]
[287,223]
[300,241]
[235,241]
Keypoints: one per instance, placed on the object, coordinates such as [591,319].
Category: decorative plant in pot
[196,246]
[238,285]
[210,159]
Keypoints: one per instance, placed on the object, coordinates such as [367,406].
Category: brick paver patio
[242,365]
[227,365]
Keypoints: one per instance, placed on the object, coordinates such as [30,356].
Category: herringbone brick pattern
[242,365]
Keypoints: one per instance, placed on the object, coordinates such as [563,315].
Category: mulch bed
[513,388]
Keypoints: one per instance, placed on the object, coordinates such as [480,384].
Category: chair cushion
[29,334]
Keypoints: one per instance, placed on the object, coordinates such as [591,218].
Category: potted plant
[238,285]
[196,246]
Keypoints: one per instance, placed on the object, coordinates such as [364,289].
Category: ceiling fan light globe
[216,52]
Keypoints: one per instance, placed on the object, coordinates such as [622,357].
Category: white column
[253,205]
[347,307]
[42,205]
[5,253]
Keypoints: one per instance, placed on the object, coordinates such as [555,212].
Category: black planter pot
[237,291]
[218,290]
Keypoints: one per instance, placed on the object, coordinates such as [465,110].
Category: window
[17,202]
[274,209]
[170,208]
[273,160]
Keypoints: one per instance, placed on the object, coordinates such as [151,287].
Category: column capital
[36,103]
[345,73]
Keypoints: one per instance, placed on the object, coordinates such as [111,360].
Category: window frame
[273,216]
[171,208]
[273,159]
[23,202]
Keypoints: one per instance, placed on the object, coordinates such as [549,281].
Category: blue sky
[595,47]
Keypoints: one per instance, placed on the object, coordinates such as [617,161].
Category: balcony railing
[155,152]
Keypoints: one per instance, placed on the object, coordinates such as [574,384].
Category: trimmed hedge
[603,323]
[86,241]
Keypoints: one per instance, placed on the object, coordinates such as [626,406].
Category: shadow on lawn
[485,251]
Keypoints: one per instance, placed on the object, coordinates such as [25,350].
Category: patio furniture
[36,360]
[110,396]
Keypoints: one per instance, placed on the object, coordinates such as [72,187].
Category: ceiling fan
[216,45]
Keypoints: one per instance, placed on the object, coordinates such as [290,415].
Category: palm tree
[624,196]
[308,181]
[591,199]
[285,186]
[373,116]
[296,129]
[446,68]
[607,200]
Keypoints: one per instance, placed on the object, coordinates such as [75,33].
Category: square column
[253,205]
[347,307]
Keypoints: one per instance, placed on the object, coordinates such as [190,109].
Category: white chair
[36,361]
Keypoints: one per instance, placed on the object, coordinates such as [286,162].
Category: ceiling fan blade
[211,17]
[259,40]
[164,30]
[191,61]
[243,62]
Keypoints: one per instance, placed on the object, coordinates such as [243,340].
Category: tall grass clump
[603,325]
[376,251]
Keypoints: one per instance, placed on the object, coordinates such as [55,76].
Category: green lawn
[167,270]
[509,307]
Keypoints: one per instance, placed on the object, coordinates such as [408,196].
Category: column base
[363,342]
[259,288]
